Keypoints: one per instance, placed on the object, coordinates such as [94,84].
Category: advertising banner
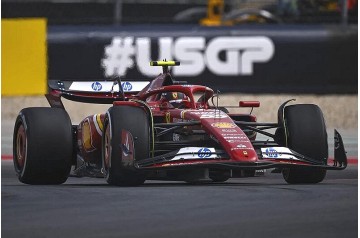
[251,59]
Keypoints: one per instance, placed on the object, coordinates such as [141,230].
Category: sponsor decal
[167,117]
[175,95]
[204,153]
[127,86]
[271,153]
[180,164]
[278,153]
[96,86]
[233,134]
[126,146]
[212,112]
[240,54]
[178,120]
[181,120]
[222,125]
[235,137]
[241,146]
[213,115]
[182,113]
[228,130]
[237,141]
[107,86]
[195,153]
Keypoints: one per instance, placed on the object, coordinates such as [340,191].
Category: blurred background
[107,12]
[266,50]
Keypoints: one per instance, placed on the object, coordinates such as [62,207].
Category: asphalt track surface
[263,206]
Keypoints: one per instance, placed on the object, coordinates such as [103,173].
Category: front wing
[285,158]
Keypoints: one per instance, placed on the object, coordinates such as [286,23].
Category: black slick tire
[306,134]
[132,119]
[42,145]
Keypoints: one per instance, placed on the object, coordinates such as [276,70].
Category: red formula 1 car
[166,130]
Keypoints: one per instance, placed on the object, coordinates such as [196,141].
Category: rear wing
[97,86]
[101,92]
[106,92]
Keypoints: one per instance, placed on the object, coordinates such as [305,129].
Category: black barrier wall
[245,58]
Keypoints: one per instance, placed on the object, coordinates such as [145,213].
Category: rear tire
[134,120]
[42,146]
[306,134]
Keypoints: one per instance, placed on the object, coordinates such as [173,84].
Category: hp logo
[272,153]
[204,153]
[96,86]
[126,86]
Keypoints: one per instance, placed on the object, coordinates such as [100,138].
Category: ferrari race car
[166,130]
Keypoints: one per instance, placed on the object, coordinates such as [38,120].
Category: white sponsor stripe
[195,153]
[104,86]
[278,153]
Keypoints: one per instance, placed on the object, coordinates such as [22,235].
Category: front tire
[42,146]
[219,176]
[306,134]
[134,120]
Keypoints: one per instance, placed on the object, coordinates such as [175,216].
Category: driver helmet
[170,96]
[174,98]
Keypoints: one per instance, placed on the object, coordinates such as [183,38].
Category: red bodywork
[215,122]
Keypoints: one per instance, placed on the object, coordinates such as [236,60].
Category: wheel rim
[21,147]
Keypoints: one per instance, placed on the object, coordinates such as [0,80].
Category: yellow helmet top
[164,63]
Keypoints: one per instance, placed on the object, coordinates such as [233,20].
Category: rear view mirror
[249,104]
